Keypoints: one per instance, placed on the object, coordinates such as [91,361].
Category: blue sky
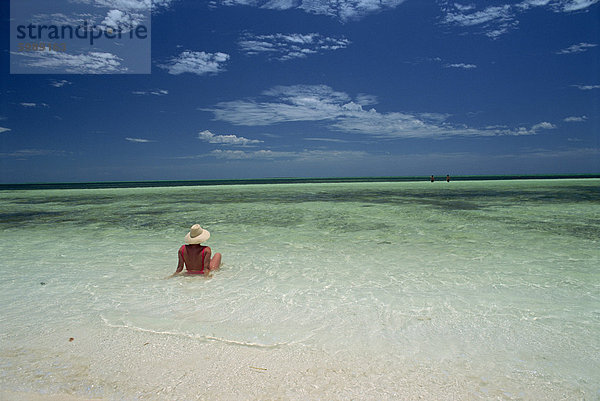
[296,88]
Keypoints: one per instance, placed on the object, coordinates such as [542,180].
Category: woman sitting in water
[197,258]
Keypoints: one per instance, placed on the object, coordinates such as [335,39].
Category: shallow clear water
[468,290]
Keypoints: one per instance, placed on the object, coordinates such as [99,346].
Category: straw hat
[196,235]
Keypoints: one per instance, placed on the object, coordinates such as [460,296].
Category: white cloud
[129,5]
[139,5]
[117,14]
[121,20]
[240,154]
[209,137]
[497,20]
[138,140]
[496,33]
[445,64]
[124,19]
[2,129]
[489,14]
[161,3]
[579,48]
[576,5]
[155,92]
[462,65]
[520,131]
[305,155]
[575,119]
[291,103]
[326,140]
[587,87]
[401,125]
[284,104]
[463,7]
[289,46]
[84,63]
[344,10]
[366,100]
[199,63]
[59,83]
[527,4]
[24,153]
[541,126]
[33,105]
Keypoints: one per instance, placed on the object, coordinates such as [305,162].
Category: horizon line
[278,180]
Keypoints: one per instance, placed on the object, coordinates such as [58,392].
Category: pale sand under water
[152,369]
[13,396]
[370,291]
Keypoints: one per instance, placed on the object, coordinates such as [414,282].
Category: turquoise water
[386,290]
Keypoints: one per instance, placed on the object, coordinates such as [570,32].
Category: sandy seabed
[124,365]
[504,308]
[14,396]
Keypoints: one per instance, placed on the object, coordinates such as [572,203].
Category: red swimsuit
[201,271]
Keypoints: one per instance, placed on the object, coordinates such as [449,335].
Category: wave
[195,336]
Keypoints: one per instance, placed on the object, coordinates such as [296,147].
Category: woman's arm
[206,261]
[180,264]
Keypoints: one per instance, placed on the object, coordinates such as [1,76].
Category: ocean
[365,290]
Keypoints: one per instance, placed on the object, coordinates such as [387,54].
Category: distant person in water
[447,177]
[432,178]
[195,257]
